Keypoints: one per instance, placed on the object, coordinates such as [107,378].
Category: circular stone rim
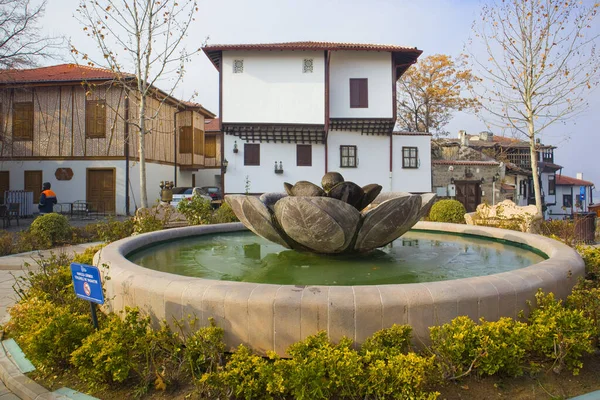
[273,316]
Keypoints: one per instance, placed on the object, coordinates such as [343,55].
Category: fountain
[340,217]
[280,295]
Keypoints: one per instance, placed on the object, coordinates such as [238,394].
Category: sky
[434,26]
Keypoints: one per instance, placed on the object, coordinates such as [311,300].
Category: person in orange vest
[47,199]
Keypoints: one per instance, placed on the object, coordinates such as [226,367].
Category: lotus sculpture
[338,217]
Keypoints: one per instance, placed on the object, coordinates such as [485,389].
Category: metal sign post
[88,286]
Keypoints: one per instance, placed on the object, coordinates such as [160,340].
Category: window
[410,157]
[348,157]
[22,123]
[359,93]
[238,66]
[551,184]
[251,154]
[198,142]
[185,140]
[1,120]
[210,146]
[567,201]
[307,67]
[95,118]
[304,155]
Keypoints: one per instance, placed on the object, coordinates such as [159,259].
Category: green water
[415,257]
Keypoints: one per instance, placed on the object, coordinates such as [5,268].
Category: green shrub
[113,230]
[151,219]
[456,346]
[401,376]
[87,256]
[502,346]
[7,243]
[560,334]
[51,229]
[448,211]
[319,369]
[591,258]
[562,230]
[204,349]
[197,210]
[116,352]
[47,333]
[246,376]
[388,341]
[224,214]
[586,298]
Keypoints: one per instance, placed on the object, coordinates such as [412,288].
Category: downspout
[175,148]
[127,206]
[221,125]
[327,59]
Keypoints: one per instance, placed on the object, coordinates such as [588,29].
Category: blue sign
[87,282]
[582,193]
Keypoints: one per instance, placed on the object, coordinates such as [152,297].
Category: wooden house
[68,125]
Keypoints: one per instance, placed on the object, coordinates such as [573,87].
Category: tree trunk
[142,152]
[534,169]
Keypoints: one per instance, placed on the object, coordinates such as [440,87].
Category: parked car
[213,191]
[188,193]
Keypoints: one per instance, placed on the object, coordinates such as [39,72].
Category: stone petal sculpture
[339,218]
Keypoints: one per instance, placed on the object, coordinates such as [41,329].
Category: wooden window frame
[359,93]
[570,202]
[2,132]
[20,133]
[212,138]
[352,159]
[304,155]
[249,158]
[198,142]
[406,160]
[551,185]
[186,140]
[95,119]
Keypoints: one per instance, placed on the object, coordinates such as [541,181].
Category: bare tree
[147,37]
[21,44]
[540,64]
[430,91]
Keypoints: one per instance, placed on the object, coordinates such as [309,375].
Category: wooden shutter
[95,118]
[304,155]
[185,139]
[251,154]
[210,146]
[22,125]
[1,122]
[33,183]
[198,141]
[359,93]
[4,184]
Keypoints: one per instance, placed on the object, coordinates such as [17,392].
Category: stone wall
[442,176]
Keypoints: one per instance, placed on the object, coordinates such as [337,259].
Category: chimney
[580,176]
[464,140]
[486,136]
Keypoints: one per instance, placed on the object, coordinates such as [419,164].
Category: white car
[188,194]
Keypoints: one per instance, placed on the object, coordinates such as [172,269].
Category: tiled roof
[405,133]
[310,46]
[211,125]
[403,57]
[464,162]
[568,181]
[56,73]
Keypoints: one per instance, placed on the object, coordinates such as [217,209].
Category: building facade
[294,111]
[71,126]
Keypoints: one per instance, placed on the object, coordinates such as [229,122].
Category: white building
[294,111]
[572,195]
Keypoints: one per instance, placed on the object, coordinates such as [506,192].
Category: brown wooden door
[33,183]
[469,194]
[4,184]
[101,191]
[210,146]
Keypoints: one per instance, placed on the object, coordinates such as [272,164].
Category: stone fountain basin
[272,317]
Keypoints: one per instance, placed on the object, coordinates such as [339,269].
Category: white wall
[373,157]
[263,178]
[273,87]
[75,189]
[407,179]
[376,67]
[557,209]
[208,177]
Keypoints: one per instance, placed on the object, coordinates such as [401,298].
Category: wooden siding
[60,123]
